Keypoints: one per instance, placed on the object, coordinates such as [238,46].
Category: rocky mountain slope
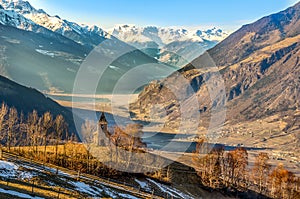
[252,37]
[259,65]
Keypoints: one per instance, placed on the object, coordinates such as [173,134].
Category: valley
[148,111]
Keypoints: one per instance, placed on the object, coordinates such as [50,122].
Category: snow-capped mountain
[164,36]
[83,34]
[162,40]
[50,50]
[22,7]
[175,46]
[10,17]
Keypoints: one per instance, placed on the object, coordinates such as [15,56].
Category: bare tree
[3,113]
[32,130]
[11,126]
[283,183]
[59,127]
[208,163]
[260,171]
[87,131]
[47,123]
[236,162]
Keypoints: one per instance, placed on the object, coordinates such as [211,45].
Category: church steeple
[102,118]
[102,124]
[102,136]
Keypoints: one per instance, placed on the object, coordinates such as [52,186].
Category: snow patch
[8,169]
[114,68]
[45,52]
[142,184]
[171,191]
[127,196]
[11,170]
[85,188]
[8,166]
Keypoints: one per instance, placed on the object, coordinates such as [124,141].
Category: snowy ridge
[23,10]
[56,24]
[22,7]
[164,36]
[11,18]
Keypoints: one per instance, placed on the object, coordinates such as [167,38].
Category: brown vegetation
[220,169]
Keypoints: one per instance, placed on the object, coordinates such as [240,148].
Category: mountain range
[170,45]
[165,35]
[50,50]
[86,35]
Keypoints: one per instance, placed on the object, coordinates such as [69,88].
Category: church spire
[102,118]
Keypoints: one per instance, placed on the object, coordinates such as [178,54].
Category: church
[123,138]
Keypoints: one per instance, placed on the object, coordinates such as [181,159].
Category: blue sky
[227,14]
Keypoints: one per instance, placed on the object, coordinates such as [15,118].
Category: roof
[102,118]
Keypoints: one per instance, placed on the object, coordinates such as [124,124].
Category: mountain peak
[71,30]
[20,6]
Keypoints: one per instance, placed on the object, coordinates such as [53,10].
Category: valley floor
[258,136]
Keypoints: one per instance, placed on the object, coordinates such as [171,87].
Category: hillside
[252,37]
[259,65]
[27,99]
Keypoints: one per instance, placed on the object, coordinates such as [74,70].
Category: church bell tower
[102,124]
[102,135]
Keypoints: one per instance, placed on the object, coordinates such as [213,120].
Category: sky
[226,14]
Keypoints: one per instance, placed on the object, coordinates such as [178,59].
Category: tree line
[230,170]
[46,138]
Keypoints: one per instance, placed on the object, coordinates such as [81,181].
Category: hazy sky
[227,14]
